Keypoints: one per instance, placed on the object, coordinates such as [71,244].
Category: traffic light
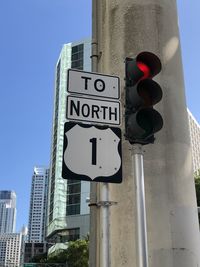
[142,93]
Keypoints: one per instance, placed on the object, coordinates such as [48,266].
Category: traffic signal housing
[142,93]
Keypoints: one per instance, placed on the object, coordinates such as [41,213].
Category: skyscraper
[10,249]
[194,128]
[68,212]
[7,212]
[38,205]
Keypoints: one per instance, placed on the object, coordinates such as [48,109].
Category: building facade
[34,249]
[194,128]
[7,211]
[38,205]
[10,249]
[68,212]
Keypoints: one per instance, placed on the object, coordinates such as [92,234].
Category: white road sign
[93,110]
[92,153]
[93,84]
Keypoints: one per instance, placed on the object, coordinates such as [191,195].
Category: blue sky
[32,35]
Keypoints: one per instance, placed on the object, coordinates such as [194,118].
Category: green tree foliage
[197,186]
[78,253]
[39,258]
[61,257]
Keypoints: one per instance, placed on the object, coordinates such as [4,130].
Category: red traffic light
[149,61]
[145,65]
[142,121]
[145,69]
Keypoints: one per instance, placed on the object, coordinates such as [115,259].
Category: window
[73,197]
[73,234]
[77,56]
[69,235]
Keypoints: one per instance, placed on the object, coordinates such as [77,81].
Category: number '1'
[94,150]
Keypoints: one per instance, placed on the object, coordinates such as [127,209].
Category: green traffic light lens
[150,121]
[146,124]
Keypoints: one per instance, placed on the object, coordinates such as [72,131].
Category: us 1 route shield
[92,153]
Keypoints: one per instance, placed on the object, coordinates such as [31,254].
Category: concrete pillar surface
[125,28]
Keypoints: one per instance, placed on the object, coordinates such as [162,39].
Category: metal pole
[104,198]
[93,186]
[105,225]
[104,194]
[138,173]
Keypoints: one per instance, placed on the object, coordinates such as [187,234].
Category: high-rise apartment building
[68,212]
[38,205]
[10,249]
[7,211]
[194,128]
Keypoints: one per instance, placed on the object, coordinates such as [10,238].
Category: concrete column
[126,28]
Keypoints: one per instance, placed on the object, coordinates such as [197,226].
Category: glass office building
[7,211]
[68,212]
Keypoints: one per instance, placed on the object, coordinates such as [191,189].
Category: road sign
[92,153]
[93,110]
[93,84]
